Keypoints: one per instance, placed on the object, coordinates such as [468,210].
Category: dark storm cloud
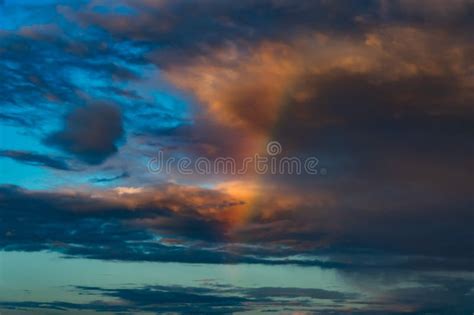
[183,29]
[37,209]
[400,225]
[397,151]
[355,102]
[80,225]
[411,132]
[90,133]
[35,159]
[52,225]
[391,115]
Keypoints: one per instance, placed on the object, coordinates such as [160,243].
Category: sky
[237,157]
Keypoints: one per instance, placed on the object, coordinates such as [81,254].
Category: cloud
[110,179]
[339,98]
[38,89]
[184,29]
[15,120]
[35,159]
[230,226]
[438,295]
[281,292]
[90,133]
[95,225]
[214,299]
[250,88]
[434,12]
[453,295]
[379,91]
[389,113]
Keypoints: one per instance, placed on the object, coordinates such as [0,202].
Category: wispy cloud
[36,159]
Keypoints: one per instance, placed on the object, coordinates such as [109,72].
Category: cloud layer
[381,92]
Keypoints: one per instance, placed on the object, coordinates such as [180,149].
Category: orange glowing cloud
[249,88]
